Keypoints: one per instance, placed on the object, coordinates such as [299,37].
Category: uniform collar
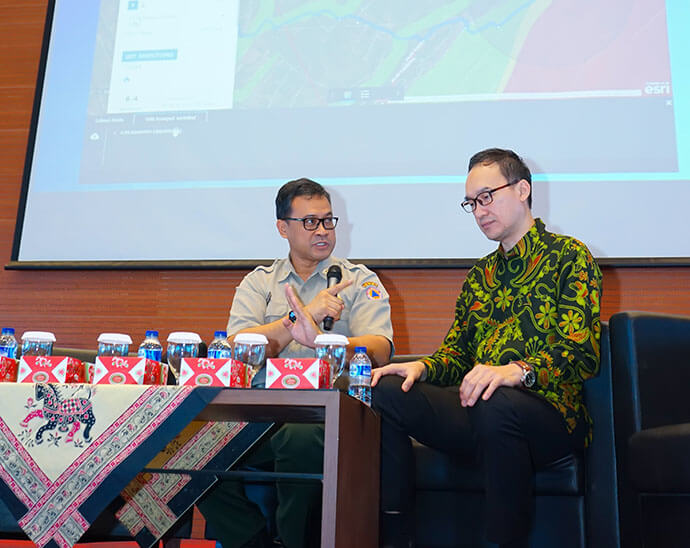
[285,270]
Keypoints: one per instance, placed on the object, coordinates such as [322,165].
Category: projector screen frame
[33,128]
[392,264]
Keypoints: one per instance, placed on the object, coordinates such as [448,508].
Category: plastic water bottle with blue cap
[360,375]
[151,347]
[220,348]
[8,344]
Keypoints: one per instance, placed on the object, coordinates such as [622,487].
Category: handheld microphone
[333,276]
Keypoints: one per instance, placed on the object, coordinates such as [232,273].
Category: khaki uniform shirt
[260,299]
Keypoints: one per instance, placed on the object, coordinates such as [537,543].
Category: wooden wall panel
[77,305]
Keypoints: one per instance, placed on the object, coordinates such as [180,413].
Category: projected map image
[236,92]
[305,54]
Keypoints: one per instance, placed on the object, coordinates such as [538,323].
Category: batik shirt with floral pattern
[539,302]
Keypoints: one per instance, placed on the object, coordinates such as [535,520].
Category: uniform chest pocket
[276,309]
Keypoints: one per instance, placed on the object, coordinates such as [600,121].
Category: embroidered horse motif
[61,413]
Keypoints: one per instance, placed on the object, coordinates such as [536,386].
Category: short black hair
[292,189]
[513,168]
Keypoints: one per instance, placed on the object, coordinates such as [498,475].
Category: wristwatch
[528,377]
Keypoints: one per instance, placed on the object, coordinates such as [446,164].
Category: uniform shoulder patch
[374,293]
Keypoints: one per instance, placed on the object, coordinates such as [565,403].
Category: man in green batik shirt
[508,378]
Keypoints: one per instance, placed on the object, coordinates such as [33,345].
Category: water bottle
[151,348]
[220,348]
[360,376]
[8,344]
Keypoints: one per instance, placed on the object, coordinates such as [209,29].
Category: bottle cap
[151,333]
[220,335]
[40,336]
[360,349]
[331,338]
[8,330]
[114,338]
[184,337]
[250,338]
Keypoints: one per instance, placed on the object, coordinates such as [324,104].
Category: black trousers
[511,435]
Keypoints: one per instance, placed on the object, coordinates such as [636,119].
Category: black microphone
[333,276]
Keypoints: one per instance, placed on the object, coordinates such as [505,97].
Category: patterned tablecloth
[68,450]
[155,501]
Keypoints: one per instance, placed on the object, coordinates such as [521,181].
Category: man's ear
[281,225]
[525,189]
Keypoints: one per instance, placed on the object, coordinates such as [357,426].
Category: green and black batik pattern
[538,303]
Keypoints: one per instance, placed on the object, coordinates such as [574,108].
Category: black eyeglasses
[483,198]
[312,223]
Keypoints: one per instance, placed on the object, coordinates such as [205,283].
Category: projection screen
[163,128]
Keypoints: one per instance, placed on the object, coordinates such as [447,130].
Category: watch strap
[528,377]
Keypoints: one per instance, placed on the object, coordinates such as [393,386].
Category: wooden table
[351,453]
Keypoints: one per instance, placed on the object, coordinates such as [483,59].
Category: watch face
[530,377]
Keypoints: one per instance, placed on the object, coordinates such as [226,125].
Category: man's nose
[480,210]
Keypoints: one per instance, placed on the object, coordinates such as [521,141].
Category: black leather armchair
[575,499]
[651,372]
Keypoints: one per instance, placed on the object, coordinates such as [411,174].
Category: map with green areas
[297,53]
[301,54]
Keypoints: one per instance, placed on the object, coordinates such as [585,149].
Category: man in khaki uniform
[262,304]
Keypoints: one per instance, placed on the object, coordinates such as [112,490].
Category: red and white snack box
[51,369]
[156,372]
[126,370]
[297,373]
[212,372]
[8,369]
[77,371]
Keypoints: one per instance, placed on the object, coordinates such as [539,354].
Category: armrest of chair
[650,355]
[650,359]
[601,481]
[659,459]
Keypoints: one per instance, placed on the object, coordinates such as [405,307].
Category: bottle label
[8,351]
[219,353]
[154,354]
[360,370]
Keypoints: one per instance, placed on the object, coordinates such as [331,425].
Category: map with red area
[617,46]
